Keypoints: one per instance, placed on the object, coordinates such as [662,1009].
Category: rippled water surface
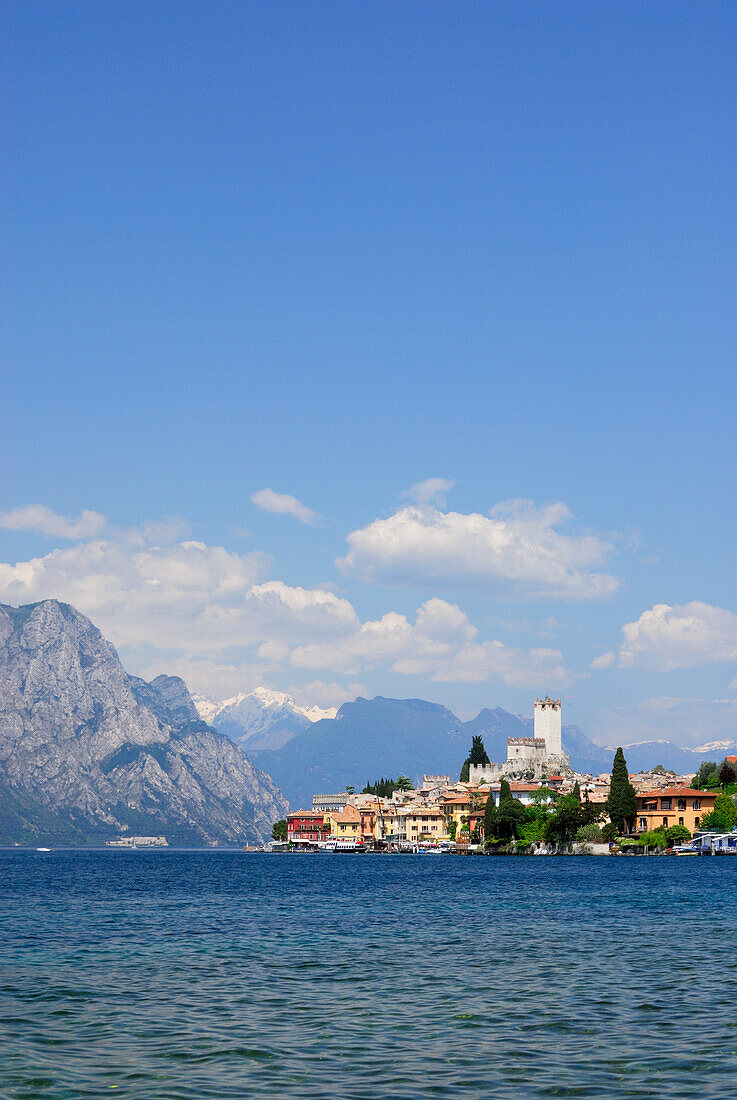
[165,974]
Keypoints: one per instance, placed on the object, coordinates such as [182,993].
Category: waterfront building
[659,809]
[306,827]
[344,824]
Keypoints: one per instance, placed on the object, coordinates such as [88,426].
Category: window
[643,823]
[680,821]
[681,805]
[666,803]
[665,820]
[697,804]
[696,820]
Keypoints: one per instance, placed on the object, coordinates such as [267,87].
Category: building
[673,806]
[324,802]
[306,827]
[344,824]
[548,719]
[534,757]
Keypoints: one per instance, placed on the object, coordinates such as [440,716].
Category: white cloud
[604,660]
[441,644]
[284,504]
[189,597]
[516,551]
[680,636]
[321,694]
[214,617]
[431,491]
[36,517]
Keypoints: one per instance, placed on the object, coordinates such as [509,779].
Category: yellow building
[426,823]
[673,806]
[344,824]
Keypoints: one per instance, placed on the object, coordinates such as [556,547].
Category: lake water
[165,974]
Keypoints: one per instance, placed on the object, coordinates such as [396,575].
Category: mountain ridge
[88,752]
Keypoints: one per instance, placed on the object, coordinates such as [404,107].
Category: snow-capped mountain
[260,719]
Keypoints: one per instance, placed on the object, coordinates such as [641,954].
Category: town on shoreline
[533,803]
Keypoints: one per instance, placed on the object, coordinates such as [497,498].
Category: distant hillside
[368,738]
[374,737]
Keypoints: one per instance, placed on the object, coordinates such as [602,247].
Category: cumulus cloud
[216,618]
[440,644]
[515,551]
[604,660]
[431,491]
[680,636]
[284,504]
[189,597]
[36,517]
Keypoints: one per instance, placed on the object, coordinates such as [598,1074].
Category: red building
[306,826]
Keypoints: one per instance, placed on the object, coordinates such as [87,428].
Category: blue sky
[335,250]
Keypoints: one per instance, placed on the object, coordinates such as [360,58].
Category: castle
[537,755]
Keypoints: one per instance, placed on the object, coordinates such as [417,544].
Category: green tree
[707,776]
[727,774]
[279,830]
[405,784]
[676,834]
[350,790]
[576,792]
[570,815]
[477,756]
[622,801]
[723,817]
[452,830]
[609,831]
[490,818]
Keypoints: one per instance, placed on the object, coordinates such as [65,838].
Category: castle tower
[548,724]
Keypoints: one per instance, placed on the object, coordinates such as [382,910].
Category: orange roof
[349,813]
[682,792]
[524,786]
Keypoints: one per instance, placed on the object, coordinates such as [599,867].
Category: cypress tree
[477,756]
[490,817]
[505,792]
[622,801]
[576,792]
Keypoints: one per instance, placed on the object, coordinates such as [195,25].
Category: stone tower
[548,724]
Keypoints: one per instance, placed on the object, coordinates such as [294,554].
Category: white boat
[43,849]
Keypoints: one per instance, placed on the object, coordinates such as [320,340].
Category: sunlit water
[164,974]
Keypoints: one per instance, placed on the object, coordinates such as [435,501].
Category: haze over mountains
[260,719]
[88,752]
[372,737]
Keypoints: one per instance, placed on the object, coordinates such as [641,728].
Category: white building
[537,755]
[548,724]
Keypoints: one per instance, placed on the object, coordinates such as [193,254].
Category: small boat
[43,849]
[686,850]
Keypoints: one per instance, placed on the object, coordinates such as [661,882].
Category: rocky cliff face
[87,752]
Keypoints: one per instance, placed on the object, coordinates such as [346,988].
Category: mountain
[260,719]
[88,752]
[368,738]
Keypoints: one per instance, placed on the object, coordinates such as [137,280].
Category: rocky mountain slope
[88,752]
[260,719]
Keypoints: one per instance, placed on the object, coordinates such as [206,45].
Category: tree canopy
[477,756]
[622,801]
